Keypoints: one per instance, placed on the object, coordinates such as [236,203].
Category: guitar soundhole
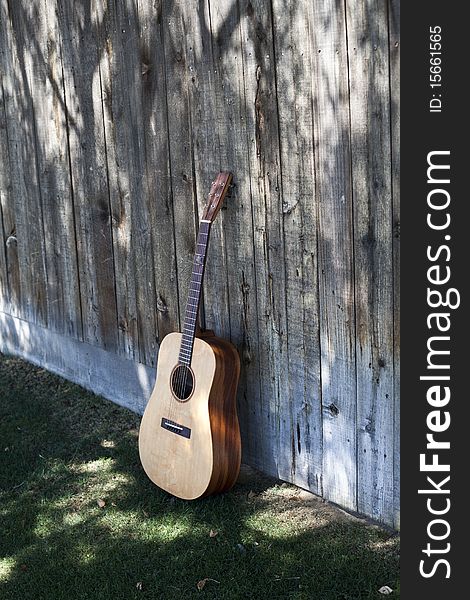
[182,382]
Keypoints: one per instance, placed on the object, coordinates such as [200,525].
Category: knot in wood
[334,410]
[161,305]
[11,241]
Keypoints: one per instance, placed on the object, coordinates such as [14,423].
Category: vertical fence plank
[302,439]
[122,75]
[263,152]
[47,95]
[200,71]
[394,45]
[180,146]
[4,291]
[230,121]
[11,274]
[335,250]
[8,301]
[158,176]
[121,130]
[82,54]
[370,148]
[18,76]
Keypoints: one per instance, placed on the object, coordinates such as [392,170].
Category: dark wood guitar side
[223,415]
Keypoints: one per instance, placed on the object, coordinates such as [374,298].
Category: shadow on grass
[63,449]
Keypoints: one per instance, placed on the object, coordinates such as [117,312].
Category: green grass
[63,449]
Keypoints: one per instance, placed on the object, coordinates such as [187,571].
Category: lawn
[79,518]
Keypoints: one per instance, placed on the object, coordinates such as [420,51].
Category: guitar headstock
[219,189]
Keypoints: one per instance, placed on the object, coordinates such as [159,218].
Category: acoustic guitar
[189,439]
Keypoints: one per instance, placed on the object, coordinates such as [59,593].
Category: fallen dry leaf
[138,585]
[101,503]
[385,590]
[213,533]
[200,584]
[23,567]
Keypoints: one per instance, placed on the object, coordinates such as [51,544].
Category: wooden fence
[115,116]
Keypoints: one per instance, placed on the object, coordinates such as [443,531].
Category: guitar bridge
[176,428]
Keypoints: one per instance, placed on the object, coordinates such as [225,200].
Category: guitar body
[191,447]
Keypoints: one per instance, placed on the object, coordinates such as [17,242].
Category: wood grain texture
[264,164]
[208,461]
[373,253]
[82,55]
[206,153]
[118,36]
[17,81]
[226,441]
[180,145]
[302,423]
[114,118]
[47,95]
[335,250]
[9,292]
[394,49]
[237,226]
[122,81]
[158,174]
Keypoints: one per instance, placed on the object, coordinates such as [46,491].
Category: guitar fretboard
[194,295]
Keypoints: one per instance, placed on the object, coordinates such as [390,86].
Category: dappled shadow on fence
[116,116]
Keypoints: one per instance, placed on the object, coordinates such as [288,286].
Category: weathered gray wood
[17,65]
[301,428]
[180,145]
[104,372]
[11,291]
[115,117]
[5,200]
[4,292]
[335,250]
[263,151]
[82,55]
[117,33]
[373,253]
[121,76]
[237,225]
[394,39]
[200,70]
[158,176]
[40,32]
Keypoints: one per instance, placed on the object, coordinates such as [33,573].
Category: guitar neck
[194,295]
[218,191]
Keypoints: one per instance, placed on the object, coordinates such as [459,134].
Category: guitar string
[199,271]
[181,379]
[181,376]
